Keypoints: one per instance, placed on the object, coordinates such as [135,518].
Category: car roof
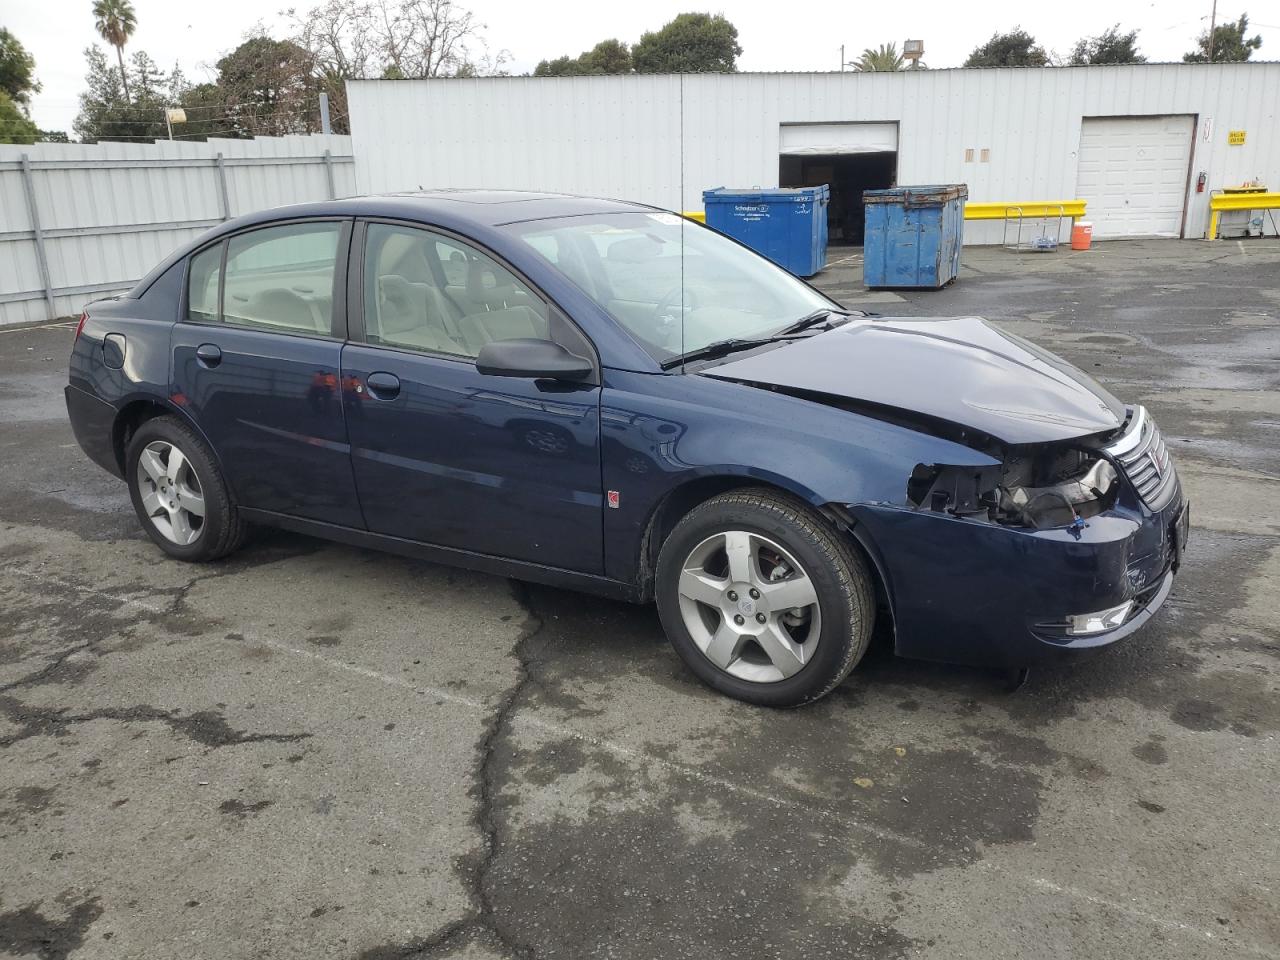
[489,208]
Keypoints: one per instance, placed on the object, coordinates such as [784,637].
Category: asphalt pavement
[310,750]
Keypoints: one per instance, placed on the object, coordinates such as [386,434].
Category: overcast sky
[196,34]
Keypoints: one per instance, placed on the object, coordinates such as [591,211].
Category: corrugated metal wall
[109,212]
[664,139]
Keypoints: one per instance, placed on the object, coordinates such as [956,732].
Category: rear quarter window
[203,282]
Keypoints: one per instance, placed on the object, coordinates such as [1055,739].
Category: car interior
[424,292]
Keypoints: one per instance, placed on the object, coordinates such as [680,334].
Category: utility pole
[842,58]
[324,114]
[1213,22]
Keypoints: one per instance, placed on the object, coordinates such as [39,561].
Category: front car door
[443,454]
[256,360]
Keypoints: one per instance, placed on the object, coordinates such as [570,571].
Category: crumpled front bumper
[970,591]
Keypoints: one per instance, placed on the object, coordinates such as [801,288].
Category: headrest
[487,285]
[635,250]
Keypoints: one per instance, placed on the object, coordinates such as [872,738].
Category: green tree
[15,126]
[1227,45]
[691,43]
[881,59]
[17,70]
[1017,48]
[105,114]
[269,88]
[606,57]
[1110,46]
[115,22]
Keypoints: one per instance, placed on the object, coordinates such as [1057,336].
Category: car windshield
[674,284]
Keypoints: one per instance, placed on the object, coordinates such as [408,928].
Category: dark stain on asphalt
[1198,715]
[1153,751]
[1150,806]
[27,802]
[239,809]
[206,727]
[28,932]
[211,729]
[324,641]
[547,764]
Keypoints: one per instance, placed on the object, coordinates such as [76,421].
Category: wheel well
[128,420]
[676,504]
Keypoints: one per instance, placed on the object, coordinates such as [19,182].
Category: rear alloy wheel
[763,600]
[179,494]
[171,493]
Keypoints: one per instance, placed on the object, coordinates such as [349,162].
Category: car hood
[960,370]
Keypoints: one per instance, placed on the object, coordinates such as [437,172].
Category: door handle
[208,354]
[383,386]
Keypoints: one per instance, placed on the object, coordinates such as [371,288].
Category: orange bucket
[1081,235]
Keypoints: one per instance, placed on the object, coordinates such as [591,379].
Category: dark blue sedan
[606,396]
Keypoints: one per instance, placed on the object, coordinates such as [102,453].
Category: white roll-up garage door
[1133,174]
[833,139]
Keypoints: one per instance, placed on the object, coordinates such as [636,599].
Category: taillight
[80,326]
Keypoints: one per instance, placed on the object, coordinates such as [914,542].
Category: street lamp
[913,50]
[174,115]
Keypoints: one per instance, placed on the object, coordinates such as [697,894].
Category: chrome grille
[1145,458]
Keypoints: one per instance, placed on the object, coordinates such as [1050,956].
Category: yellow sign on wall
[1235,138]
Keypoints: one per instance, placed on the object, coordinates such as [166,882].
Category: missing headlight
[1048,487]
[1055,490]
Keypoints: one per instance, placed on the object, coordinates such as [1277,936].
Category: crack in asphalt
[482,924]
[48,669]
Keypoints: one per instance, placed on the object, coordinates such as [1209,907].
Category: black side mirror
[536,359]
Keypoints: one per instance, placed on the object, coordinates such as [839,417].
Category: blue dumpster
[787,226]
[913,235]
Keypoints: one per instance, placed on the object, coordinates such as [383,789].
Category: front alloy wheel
[750,607]
[763,598]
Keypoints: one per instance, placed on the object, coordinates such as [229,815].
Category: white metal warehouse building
[1130,140]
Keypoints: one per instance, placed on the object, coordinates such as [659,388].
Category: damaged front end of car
[1052,484]
[1083,537]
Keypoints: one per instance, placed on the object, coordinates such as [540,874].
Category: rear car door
[444,454]
[257,361]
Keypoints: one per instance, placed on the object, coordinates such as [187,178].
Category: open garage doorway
[849,157]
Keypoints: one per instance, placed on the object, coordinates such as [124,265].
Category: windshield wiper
[720,348]
[812,319]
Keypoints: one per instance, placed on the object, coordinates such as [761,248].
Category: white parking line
[1139,914]
[61,325]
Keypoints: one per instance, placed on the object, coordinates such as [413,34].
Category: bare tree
[364,39]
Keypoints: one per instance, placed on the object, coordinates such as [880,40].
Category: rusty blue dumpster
[913,235]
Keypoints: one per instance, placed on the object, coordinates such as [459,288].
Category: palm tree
[883,58]
[115,22]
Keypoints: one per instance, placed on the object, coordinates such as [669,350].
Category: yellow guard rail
[1030,209]
[1238,201]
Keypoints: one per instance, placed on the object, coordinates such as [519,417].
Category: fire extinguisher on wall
[1200,182]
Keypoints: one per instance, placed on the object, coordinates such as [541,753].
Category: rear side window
[204,279]
[281,278]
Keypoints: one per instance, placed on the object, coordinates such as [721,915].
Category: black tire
[222,529]
[845,591]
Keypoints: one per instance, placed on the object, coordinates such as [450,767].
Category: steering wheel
[673,300]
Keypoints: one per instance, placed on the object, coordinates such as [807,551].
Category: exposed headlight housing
[1063,503]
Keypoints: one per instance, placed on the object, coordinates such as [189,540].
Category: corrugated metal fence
[79,221]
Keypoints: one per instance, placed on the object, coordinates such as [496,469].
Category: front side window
[280,278]
[675,285]
[424,291]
